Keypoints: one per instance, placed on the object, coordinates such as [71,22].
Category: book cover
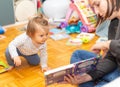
[56,31]
[74,42]
[57,75]
[59,36]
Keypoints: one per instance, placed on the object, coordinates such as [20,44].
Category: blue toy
[2,31]
[74,28]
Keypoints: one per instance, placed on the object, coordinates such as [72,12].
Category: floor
[31,76]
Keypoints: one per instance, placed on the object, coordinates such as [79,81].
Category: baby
[29,44]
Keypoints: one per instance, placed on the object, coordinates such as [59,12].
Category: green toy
[5,67]
[85,39]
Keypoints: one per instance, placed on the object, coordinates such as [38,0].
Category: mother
[108,69]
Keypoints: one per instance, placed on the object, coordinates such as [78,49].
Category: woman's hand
[76,79]
[72,79]
[17,61]
[101,46]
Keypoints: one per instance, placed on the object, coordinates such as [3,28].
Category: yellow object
[4,67]
[85,39]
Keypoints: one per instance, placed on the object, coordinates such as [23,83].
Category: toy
[85,39]
[84,29]
[4,67]
[73,28]
[55,8]
[86,14]
[63,25]
[2,31]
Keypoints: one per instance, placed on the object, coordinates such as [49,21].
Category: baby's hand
[45,69]
[17,61]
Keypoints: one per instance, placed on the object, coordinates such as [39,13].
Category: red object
[38,3]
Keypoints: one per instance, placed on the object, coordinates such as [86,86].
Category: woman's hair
[115,5]
[36,23]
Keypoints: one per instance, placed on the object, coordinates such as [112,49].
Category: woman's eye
[97,4]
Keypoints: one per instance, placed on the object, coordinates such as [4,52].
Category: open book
[57,75]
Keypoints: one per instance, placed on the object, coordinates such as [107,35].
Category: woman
[108,69]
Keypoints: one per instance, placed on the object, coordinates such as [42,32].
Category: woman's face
[101,6]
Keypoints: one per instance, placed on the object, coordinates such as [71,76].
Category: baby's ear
[40,15]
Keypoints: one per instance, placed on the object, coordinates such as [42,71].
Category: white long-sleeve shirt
[24,44]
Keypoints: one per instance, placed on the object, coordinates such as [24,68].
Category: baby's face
[40,36]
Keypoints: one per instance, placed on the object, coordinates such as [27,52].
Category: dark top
[112,59]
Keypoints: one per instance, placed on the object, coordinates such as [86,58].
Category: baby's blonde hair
[34,22]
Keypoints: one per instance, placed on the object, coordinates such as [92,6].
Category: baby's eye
[41,35]
[47,34]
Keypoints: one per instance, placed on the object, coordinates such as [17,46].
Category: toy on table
[86,14]
[4,67]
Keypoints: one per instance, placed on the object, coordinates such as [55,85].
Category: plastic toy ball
[85,39]
[55,8]
[2,31]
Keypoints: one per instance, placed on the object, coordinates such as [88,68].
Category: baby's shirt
[24,44]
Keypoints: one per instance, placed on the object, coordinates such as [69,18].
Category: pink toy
[86,14]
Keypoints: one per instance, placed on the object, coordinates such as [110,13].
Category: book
[57,75]
[56,31]
[59,36]
[74,42]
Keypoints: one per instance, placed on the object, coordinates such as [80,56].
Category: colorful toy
[4,69]
[84,29]
[86,14]
[74,28]
[85,39]
[2,31]
[63,25]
